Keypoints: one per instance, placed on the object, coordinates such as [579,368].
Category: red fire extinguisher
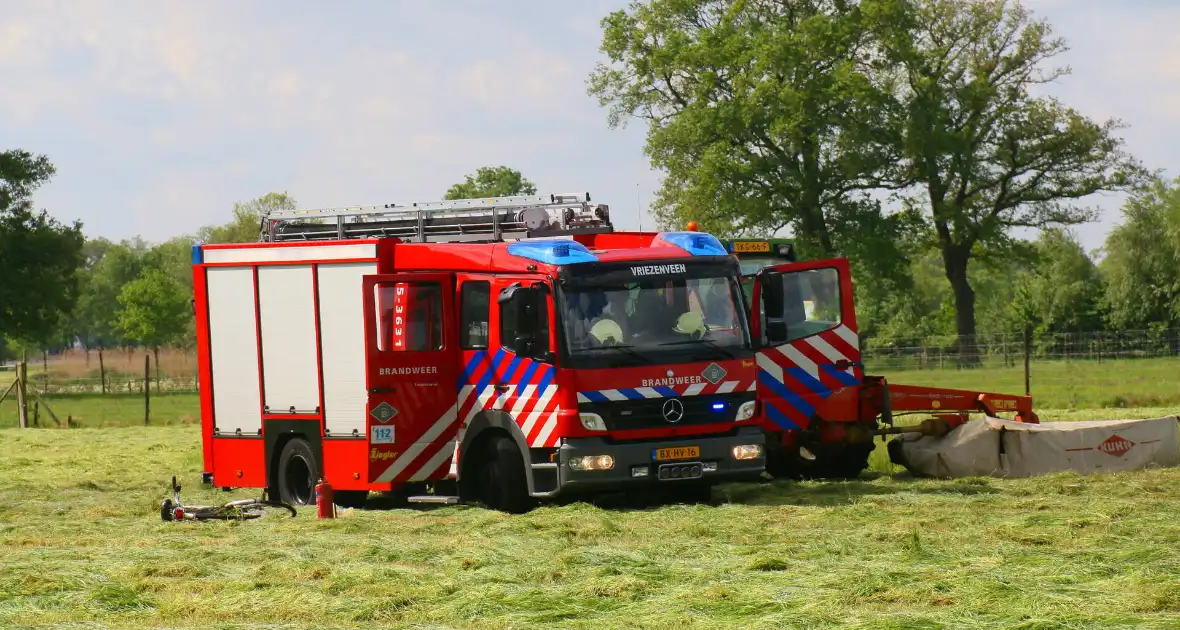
[324,507]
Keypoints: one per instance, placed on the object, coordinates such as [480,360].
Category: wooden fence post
[22,394]
[1027,353]
[102,371]
[147,389]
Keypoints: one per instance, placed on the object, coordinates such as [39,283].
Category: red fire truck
[499,350]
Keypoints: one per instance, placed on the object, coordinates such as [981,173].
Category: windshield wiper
[626,349]
[711,342]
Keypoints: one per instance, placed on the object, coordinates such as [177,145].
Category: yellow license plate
[746,247]
[679,452]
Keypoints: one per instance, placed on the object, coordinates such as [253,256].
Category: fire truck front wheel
[297,466]
[501,478]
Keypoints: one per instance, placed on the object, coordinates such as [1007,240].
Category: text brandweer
[676,380]
[426,369]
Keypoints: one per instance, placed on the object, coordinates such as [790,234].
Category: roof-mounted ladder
[456,220]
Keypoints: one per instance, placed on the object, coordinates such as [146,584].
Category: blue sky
[160,115]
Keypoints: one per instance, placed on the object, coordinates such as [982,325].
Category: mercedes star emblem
[673,410]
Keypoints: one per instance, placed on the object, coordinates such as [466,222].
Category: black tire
[832,461]
[501,477]
[350,498]
[686,493]
[297,473]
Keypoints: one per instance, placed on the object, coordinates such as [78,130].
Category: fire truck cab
[494,350]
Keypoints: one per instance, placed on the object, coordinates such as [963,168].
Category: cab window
[811,302]
[474,299]
[409,316]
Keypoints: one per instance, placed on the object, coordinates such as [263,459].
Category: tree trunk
[955,261]
[156,354]
[102,372]
[815,227]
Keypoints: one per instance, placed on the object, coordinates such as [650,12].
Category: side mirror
[773,302]
[508,293]
[523,345]
[772,292]
[525,302]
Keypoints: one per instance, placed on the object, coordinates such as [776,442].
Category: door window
[474,298]
[811,301]
[409,316]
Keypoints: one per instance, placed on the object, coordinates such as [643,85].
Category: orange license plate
[679,452]
[749,247]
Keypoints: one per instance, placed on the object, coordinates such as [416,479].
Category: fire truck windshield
[648,320]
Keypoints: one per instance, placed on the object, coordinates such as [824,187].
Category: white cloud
[162,115]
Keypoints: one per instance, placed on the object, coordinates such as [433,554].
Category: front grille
[648,413]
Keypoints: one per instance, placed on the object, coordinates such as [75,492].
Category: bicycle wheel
[279,505]
[255,508]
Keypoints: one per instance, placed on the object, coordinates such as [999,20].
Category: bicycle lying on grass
[239,509]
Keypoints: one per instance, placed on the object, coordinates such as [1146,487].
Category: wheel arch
[276,435]
[483,427]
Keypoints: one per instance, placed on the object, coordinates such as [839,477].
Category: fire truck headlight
[746,411]
[592,462]
[592,422]
[747,451]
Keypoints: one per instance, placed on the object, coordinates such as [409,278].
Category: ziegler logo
[376,455]
[426,369]
[654,270]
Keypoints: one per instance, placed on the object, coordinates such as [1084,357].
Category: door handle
[844,364]
[383,390]
[501,387]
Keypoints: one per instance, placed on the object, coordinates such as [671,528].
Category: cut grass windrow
[82,545]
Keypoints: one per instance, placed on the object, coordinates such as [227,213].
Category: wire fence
[1138,368]
[109,372]
[949,352]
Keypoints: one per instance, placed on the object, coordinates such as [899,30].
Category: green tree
[764,115]
[491,181]
[246,224]
[154,310]
[1062,292]
[989,155]
[39,256]
[98,307]
[1142,263]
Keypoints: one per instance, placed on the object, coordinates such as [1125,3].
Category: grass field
[97,410]
[82,546]
[1064,384]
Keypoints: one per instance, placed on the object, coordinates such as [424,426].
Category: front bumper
[714,449]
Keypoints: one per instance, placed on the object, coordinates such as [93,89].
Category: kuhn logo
[425,369]
[667,382]
[656,270]
[1116,445]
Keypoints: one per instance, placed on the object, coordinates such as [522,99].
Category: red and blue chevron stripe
[521,387]
[798,376]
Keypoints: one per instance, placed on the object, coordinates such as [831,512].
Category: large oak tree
[990,154]
[763,115]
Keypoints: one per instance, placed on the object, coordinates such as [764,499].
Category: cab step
[439,499]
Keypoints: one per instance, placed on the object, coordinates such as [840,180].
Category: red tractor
[821,412]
